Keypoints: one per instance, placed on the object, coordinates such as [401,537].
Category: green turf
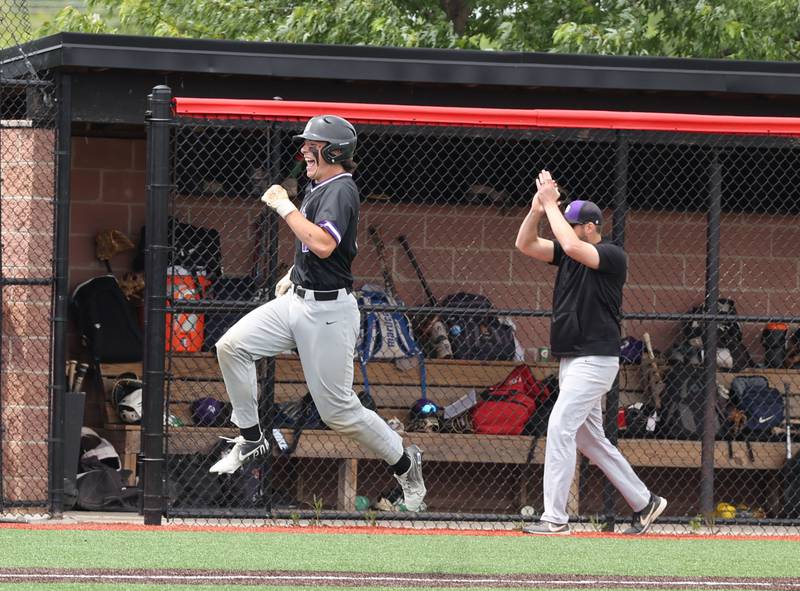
[398,553]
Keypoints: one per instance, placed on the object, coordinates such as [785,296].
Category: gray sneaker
[546,528]
[411,481]
[642,520]
[241,452]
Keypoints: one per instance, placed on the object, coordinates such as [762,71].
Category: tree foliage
[741,29]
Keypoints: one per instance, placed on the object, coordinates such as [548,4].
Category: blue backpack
[762,404]
[385,335]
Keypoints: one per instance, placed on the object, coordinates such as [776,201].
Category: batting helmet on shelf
[338,132]
[130,407]
[208,412]
[126,396]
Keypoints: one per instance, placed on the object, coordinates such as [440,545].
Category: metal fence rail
[705,213]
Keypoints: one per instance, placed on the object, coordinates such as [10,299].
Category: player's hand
[284,284]
[536,205]
[547,189]
[277,198]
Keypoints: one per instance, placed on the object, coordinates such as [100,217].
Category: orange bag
[185,331]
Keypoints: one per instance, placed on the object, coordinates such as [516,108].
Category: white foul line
[426,580]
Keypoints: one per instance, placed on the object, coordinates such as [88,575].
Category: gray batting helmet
[338,132]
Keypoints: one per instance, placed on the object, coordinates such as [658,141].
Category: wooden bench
[395,390]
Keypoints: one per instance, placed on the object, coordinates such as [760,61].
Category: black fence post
[61,293]
[618,237]
[267,367]
[159,120]
[710,335]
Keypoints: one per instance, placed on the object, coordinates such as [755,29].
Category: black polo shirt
[587,303]
[333,205]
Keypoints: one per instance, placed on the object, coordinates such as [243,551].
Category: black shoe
[642,520]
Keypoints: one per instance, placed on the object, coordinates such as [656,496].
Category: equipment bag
[505,408]
[478,333]
[302,414]
[683,405]
[762,405]
[194,248]
[385,335]
[107,324]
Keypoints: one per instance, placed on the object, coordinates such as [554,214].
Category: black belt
[320,296]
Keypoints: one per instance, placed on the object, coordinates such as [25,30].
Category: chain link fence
[27,218]
[705,405]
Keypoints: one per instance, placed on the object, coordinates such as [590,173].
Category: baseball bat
[787,422]
[80,374]
[418,270]
[786,472]
[71,374]
[656,390]
[436,328]
[388,281]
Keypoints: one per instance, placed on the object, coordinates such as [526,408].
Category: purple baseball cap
[583,212]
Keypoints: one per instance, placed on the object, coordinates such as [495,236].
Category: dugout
[108,78]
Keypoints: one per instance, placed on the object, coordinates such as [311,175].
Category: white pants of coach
[324,334]
[576,422]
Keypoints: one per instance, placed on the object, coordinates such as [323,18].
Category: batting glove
[277,198]
[284,284]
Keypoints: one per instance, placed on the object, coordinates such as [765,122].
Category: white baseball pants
[324,334]
[576,422]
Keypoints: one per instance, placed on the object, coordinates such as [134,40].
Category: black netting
[708,224]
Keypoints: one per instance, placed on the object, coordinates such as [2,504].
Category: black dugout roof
[112,75]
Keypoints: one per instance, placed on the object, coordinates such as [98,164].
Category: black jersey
[333,205]
[587,303]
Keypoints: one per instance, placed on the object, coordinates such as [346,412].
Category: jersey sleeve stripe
[330,228]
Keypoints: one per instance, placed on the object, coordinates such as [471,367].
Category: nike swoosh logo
[253,454]
[334,322]
[762,420]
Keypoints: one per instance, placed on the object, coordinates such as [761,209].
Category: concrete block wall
[26,238]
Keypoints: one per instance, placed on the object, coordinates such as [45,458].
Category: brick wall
[27,165]
[463,248]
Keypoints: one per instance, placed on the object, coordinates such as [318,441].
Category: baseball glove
[110,243]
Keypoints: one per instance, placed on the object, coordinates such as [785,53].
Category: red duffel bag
[505,407]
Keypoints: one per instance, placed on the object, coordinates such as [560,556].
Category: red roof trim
[206,108]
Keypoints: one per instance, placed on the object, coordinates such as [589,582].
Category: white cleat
[412,483]
[242,452]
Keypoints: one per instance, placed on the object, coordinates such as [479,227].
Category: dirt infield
[398,580]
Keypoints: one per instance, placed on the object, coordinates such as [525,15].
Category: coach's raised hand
[547,189]
[277,198]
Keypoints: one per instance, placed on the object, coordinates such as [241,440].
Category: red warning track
[364,530]
[398,580]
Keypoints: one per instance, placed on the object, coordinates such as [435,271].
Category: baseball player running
[585,335]
[316,313]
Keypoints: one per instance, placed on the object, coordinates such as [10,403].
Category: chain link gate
[27,234]
[705,214]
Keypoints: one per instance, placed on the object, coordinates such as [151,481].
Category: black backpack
[194,248]
[106,321]
[684,402]
[478,334]
[729,336]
